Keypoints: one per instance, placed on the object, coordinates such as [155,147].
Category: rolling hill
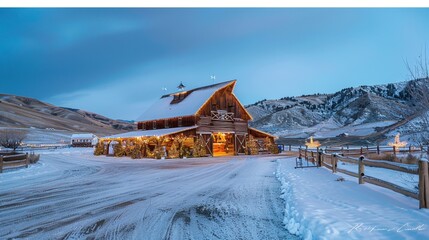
[24,112]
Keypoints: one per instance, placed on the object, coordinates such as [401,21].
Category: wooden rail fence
[363,150]
[13,161]
[330,161]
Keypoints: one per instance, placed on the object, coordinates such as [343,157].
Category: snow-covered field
[317,206]
[330,129]
[73,195]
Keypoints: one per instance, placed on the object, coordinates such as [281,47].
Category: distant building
[211,115]
[83,140]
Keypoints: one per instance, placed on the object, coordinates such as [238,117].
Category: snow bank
[317,206]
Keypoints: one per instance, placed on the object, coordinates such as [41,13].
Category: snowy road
[75,195]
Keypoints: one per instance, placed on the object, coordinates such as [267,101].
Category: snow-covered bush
[271,146]
[137,150]
[199,148]
[252,146]
[99,148]
[119,150]
[173,152]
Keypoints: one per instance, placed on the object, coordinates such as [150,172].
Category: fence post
[1,164]
[409,148]
[361,171]
[334,163]
[290,148]
[394,150]
[26,160]
[423,184]
[305,153]
[322,157]
[319,157]
[378,149]
[361,150]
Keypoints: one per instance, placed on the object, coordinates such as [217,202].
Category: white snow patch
[319,207]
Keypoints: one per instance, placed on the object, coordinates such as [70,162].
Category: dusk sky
[115,62]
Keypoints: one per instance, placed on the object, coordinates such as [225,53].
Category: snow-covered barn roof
[194,99]
[262,132]
[155,132]
[83,136]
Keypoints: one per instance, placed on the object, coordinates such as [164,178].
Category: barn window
[179,122]
[166,123]
[179,97]
[154,124]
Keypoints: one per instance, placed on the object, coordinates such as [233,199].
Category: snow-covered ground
[319,207]
[73,195]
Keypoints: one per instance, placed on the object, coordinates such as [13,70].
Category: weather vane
[213,77]
[181,87]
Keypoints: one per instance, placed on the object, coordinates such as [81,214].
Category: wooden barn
[209,120]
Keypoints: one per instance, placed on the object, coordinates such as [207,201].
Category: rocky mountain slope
[360,111]
[23,112]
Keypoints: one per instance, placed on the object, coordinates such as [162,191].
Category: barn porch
[183,142]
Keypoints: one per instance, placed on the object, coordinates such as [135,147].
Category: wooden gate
[240,144]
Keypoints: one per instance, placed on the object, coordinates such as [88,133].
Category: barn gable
[186,103]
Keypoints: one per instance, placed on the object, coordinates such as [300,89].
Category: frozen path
[76,195]
[319,207]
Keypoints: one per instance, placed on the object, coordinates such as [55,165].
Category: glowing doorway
[223,144]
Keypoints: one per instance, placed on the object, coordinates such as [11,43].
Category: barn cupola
[181,87]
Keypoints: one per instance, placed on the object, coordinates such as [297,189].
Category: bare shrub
[340,179]
[33,158]
[383,156]
[411,159]
[418,92]
[12,138]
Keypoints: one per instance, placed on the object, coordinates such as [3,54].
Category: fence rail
[330,161]
[13,161]
[363,150]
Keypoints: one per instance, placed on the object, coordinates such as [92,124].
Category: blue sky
[115,62]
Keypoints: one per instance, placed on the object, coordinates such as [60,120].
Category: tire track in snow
[82,196]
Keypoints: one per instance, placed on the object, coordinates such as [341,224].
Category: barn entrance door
[223,144]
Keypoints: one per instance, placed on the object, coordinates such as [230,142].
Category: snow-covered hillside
[358,111]
[23,112]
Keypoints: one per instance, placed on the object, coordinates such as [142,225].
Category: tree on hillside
[418,91]
[12,138]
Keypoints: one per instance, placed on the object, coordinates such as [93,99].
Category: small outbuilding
[84,140]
